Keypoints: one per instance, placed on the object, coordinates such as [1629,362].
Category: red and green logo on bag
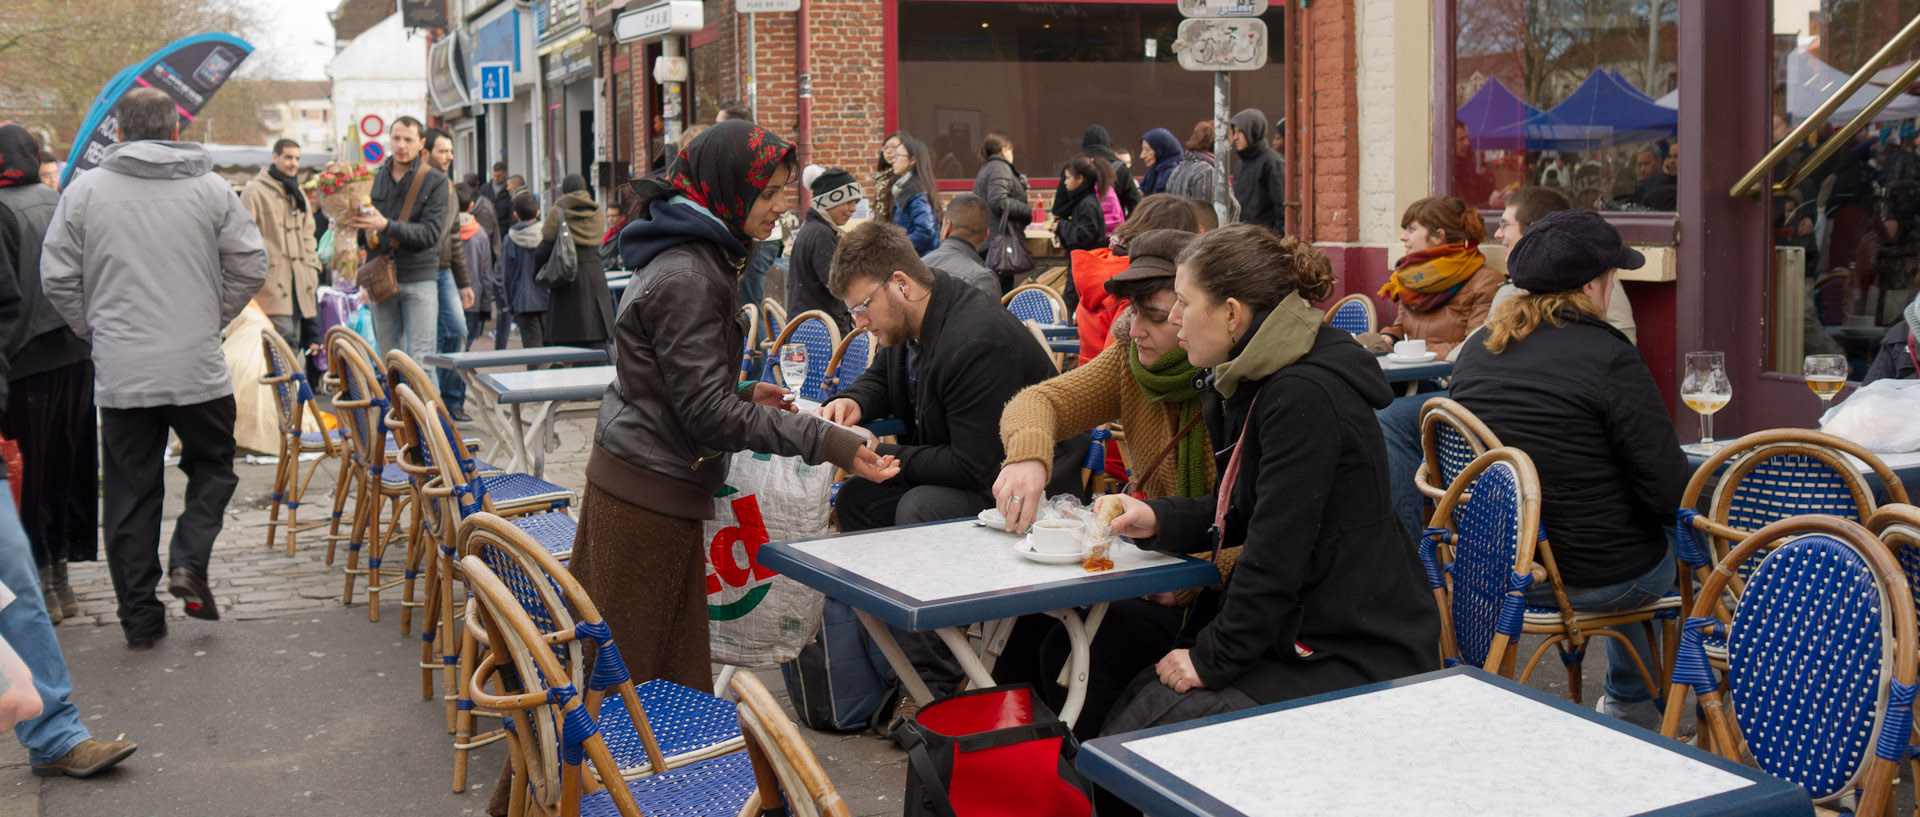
[736,581]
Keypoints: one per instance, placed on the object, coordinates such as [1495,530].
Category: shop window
[1043,72]
[1577,95]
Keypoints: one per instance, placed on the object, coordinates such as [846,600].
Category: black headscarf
[19,156]
[723,169]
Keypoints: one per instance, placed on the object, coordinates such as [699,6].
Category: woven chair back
[1820,659]
[360,343]
[779,745]
[750,340]
[1450,438]
[430,431]
[773,318]
[1898,526]
[1036,302]
[1353,313]
[817,331]
[1490,516]
[290,390]
[850,360]
[365,403]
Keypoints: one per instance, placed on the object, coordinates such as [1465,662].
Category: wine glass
[1826,376]
[793,366]
[1706,389]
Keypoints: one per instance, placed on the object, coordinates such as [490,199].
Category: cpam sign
[658,20]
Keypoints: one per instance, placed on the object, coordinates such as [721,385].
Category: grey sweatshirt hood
[151,159]
[525,234]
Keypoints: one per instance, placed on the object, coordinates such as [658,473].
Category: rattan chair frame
[1434,413]
[293,397]
[1898,526]
[783,766]
[347,482]
[1373,315]
[1740,458]
[773,317]
[1717,717]
[833,385]
[1060,314]
[786,335]
[370,453]
[1499,658]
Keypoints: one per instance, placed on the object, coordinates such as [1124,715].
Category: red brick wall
[1334,142]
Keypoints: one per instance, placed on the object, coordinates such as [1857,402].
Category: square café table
[945,576]
[492,415]
[549,388]
[1460,741]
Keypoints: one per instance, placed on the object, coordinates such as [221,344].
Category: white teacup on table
[1057,536]
[1410,348]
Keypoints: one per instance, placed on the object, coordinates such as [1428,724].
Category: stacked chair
[293,397]
[362,406]
[1037,303]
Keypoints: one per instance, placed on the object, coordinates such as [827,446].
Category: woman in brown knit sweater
[1147,384]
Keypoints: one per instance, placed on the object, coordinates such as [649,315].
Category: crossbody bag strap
[413,190]
[1223,500]
[1136,486]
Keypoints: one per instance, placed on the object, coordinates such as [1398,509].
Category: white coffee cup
[1058,535]
[1410,348]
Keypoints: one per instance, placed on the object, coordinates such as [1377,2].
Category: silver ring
[1018,499]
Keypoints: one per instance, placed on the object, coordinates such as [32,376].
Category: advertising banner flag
[189,69]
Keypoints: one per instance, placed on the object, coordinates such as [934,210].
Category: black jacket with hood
[1096,144]
[413,238]
[1078,219]
[1326,563]
[674,412]
[1259,175]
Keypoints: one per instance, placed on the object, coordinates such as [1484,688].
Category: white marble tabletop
[578,383]
[955,559]
[1455,745]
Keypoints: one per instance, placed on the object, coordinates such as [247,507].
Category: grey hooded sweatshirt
[148,257]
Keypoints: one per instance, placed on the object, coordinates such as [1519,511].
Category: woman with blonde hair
[1550,376]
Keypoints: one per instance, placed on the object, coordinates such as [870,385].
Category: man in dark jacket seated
[1898,357]
[950,360]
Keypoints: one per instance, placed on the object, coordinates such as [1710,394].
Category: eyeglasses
[859,310]
[889,149]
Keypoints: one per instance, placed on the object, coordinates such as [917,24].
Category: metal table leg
[491,413]
[909,677]
[956,639]
[520,458]
[538,433]
[1080,638]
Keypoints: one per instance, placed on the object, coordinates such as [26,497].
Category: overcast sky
[296,41]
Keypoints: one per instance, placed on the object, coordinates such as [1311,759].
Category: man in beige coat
[281,211]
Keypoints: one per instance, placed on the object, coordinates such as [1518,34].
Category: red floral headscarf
[727,166]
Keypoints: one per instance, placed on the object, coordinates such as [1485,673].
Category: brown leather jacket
[1446,327]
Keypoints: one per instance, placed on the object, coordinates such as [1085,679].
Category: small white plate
[1395,357]
[992,518]
[1024,547]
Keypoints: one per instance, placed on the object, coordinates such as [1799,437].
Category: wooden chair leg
[281,485]
[415,535]
[376,555]
[343,486]
[366,523]
[1573,657]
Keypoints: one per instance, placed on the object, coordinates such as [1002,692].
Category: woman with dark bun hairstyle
[1326,593]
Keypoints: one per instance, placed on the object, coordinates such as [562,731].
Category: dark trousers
[134,483]
[50,415]
[533,329]
[864,505]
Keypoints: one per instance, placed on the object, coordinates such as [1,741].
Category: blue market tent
[1605,110]
[1495,109]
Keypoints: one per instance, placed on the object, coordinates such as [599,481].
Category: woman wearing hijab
[1160,152]
[580,313]
[674,413]
[1259,178]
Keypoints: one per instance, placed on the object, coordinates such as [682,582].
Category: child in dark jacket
[519,295]
[1078,219]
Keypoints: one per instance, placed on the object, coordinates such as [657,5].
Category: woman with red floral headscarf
[676,409]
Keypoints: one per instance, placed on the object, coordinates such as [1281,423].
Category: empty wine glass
[793,366]
[1706,389]
[1826,375]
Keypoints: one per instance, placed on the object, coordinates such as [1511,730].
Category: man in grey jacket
[961,238]
[148,257]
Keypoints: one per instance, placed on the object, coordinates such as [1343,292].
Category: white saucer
[992,519]
[1024,547]
[1395,357]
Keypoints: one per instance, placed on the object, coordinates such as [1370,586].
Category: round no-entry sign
[372,125]
[373,152]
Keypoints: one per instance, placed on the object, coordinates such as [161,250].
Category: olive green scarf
[1170,380]
[1284,337]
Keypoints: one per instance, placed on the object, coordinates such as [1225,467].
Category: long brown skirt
[646,573]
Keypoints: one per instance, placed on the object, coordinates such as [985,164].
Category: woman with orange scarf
[1443,285]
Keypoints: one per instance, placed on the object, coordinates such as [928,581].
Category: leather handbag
[1006,252]
[377,278]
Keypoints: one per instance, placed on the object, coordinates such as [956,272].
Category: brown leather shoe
[191,587]
[88,758]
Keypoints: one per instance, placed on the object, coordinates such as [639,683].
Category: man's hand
[1019,493]
[466,298]
[1136,520]
[773,396]
[843,411]
[369,220]
[1177,672]
[872,467]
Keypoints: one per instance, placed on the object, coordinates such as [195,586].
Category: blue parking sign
[494,82]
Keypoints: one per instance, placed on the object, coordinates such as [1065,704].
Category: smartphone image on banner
[214,69]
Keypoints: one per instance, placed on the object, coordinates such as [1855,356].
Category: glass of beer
[1826,376]
[1706,389]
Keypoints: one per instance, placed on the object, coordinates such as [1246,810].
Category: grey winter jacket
[148,257]
[1005,192]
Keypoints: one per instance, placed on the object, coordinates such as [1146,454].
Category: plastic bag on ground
[758,618]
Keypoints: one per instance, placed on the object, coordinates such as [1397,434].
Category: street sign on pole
[658,20]
[1221,44]
[1222,8]
[765,6]
[495,82]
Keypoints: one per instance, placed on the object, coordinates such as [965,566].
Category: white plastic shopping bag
[1883,416]
[758,618]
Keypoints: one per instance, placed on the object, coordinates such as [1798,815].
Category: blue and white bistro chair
[363,405]
[649,727]
[1037,303]
[750,351]
[553,732]
[850,360]
[293,398]
[1353,313]
[816,331]
[1820,660]
[1450,437]
[1488,519]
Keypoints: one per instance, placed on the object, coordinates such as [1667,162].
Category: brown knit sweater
[1096,393]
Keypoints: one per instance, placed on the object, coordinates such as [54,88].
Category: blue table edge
[914,615]
[530,357]
[555,393]
[1108,763]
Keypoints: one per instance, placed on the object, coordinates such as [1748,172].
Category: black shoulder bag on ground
[998,750]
